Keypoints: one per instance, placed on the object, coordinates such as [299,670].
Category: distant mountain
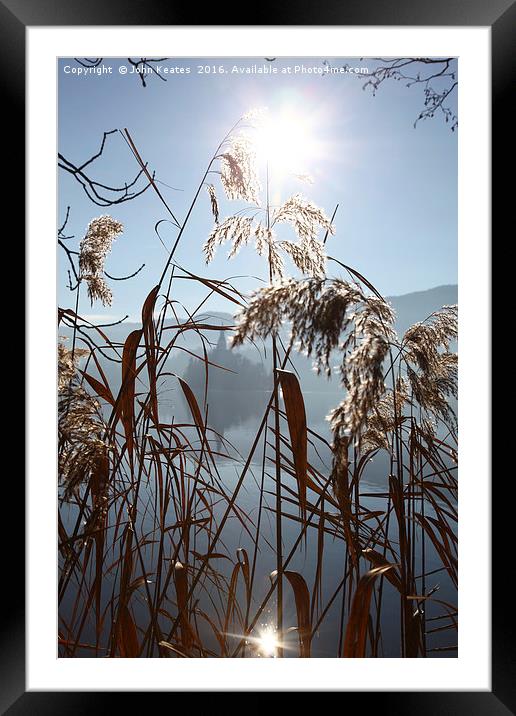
[249,367]
[413,307]
[410,308]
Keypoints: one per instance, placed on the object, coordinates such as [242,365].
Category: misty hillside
[410,308]
[413,307]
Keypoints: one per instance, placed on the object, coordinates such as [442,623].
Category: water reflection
[235,401]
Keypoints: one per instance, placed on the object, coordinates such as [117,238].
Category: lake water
[236,417]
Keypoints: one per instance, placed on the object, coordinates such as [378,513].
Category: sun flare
[267,642]
[286,141]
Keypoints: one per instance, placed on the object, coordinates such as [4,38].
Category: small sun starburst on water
[267,643]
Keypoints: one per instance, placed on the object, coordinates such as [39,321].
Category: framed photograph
[258,306]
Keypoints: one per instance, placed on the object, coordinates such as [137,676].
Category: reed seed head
[238,169]
[94,248]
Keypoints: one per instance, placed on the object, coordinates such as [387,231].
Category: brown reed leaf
[181,584]
[296,420]
[151,341]
[232,596]
[356,629]
[302,598]
[127,390]
[215,287]
[101,390]
[194,407]
[175,649]
[243,559]
[127,637]
[378,560]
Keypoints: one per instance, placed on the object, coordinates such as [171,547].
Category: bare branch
[103,194]
[124,278]
[436,75]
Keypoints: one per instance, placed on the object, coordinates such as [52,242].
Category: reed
[159,554]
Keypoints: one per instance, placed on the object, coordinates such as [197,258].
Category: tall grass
[159,555]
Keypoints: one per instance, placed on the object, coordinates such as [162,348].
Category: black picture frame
[15,17]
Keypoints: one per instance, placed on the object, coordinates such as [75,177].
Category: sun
[267,642]
[286,142]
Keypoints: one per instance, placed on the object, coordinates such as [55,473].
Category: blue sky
[396,185]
